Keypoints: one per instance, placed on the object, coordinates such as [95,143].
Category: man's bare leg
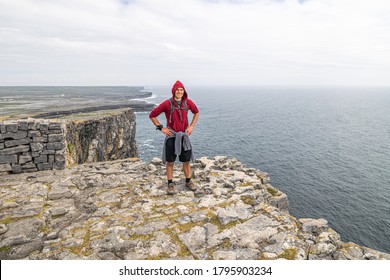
[187,169]
[169,168]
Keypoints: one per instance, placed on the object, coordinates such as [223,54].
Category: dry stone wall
[31,145]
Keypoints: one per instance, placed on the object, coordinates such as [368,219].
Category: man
[177,141]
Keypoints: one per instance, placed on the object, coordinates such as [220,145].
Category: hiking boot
[191,186]
[171,189]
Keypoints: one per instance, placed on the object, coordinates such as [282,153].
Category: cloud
[143,42]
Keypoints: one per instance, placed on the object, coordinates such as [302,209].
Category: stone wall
[31,145]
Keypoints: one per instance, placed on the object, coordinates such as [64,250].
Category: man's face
[179,93]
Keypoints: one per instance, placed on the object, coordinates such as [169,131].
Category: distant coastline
[56,101]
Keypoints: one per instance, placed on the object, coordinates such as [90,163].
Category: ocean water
[328,148]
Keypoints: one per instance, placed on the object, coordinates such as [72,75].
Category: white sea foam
[146,99]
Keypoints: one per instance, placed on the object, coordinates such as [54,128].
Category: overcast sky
[156,42]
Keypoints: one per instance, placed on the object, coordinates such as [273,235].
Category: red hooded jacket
[165,107]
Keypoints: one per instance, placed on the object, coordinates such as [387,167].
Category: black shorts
[185,156]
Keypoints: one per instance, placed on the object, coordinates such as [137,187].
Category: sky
[200,42]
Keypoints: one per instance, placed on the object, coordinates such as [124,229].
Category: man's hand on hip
[166,131]
[189,130]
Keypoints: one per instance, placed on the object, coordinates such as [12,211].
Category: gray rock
[34,134]
[195,240]
[227,216]
[151,227]
[349,252]
[55,126]
[24,159]
[8,159]
[48,152]
[14,150]
[58,211]
[55,145]
[12,127]
[23,125]
[36,147]
[23,250]
[43,127]
[314,226]
[13,135]
[102,212]
[40,159]
[59,193]
[225,255]
[156,161]
[5,167]
[3,228]
[56,138]
[16,168]
[13,143]
[28,165]
[22,231]
[199,216]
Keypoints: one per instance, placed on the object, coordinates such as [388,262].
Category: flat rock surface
[120,210]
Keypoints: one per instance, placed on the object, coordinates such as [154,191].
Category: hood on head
[177,85]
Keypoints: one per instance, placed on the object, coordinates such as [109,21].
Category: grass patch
[272,191]
[215,221]
[5,249]
[248,200]
[289,254]
[263,257]
[141,237]
[9,220]
[84,249]
[226,244]
[70,148]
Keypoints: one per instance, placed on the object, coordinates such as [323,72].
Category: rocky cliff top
[120,210]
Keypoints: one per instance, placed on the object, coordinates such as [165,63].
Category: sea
[327,148]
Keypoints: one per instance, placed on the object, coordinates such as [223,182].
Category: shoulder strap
[173,108]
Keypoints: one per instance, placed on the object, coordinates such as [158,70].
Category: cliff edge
[120,210]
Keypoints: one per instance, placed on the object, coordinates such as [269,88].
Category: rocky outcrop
[101,138]
[120,210]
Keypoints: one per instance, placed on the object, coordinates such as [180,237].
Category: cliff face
[101,138]
[120,210]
